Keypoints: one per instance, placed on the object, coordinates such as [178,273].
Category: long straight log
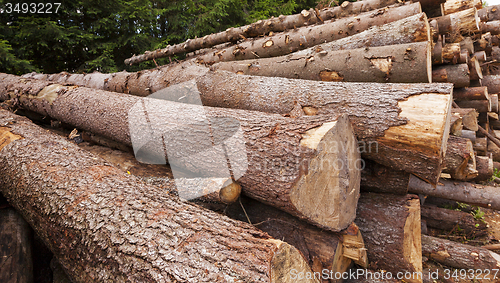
[480,105]
[471,93]
[473,194]
[390,226]
[308,37]
[402,63]
[302,158]
[452,220]
[104,224]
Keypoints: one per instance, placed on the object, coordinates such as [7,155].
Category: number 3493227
[31,8]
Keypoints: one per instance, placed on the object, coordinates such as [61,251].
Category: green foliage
[478,214]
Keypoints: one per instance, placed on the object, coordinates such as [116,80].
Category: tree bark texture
[452,220]
[490,13]
[453,6]
[458,75]
[381,179]
[492,27]
[480,105]
[390,226]
[302,158]
[459,154]
[459,255]
[492,83]
[484,166]
[309,37]
[402,63]
[103,224]
[471,93]
[456,24]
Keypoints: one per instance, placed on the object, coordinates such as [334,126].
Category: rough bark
[402,63]
[322,249]
[103,224]
[459,153]
[295,155]
[390,226]
[15,247]
[451,53]
[308,37]
[467,44]
[492,83]
[479,105]
[452,220]
[484,167]
[456,24]
[481,145]
[492,27]
[474,69]
[459,255]
[380,179]
[471,93]
[490,13]
[469,117]
[453,6]
[472,194]
[458,75]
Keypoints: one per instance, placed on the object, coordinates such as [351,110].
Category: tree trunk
[492,83]
[309,37]
[484,167]
[459,153]
[300,157]
[15,246]
[479,105]
[469,117]
[458,75]
[452,220]
[102,223]
[390,226]
[471,93]
[403,63]
[453,25]
[472,194]
[380,179]
[453,6]
[322,249]
[458,255]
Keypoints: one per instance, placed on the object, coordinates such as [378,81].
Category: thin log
[492,27]
[484,167]
[458,75]
[471,93]
[453,6]
[469,117]
[465,192]
[288,143]
[381,179]
[452,220]
[474,69]
[490,13]
[459,255]
[479,105]
[434,30]
[494,103]
[456,125]
[90,215]
[394,29]
[459,152]
[453,25]
[390,226]
[490,136]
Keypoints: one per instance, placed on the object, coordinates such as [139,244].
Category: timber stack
[294,149]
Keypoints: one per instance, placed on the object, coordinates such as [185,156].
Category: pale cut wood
[453,6]
[453,25]
[99,221]
[451,53]
[459,153]
[475,69]
[456,125]
[469,118]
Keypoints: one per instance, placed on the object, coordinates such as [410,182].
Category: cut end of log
[332,176]
[286,262]
[429,62]
[230,193]
[412,230]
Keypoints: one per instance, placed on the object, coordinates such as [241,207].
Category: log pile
[333,124]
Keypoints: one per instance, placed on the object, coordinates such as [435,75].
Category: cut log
[492,83]
[437,52]
[390,226]
[453,25]
[434,30]
[403,63]
[322,249]
[494,103]
[459,153]
[459,255]
[451,53]
[467,44]
[484,167]
[456,125]
[471,135]
[263,27]
[465,192]
[490,13]
[470,93]
[481,145]
[475,69]
[481,56]
[479,105]
[453,6]
[458,75]
[469,117]
[102,223]
[401,31]
[452,220]
[15,246]
[300,157]
[492,27]
[381,179]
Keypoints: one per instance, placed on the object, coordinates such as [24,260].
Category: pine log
[452,220]
[459,255]
[381,179]
[456,125]
[479,105]
[474,69]
[453,25]
[437,52]
[469,117]
[322,249]
[453,6]
[471,93]
[459,153]
[281,151]
[458,75]
[492,83]
[484,167]
[102,223]
[308,37]
[481,145]
[465,192]
[264,27]
[390,226]
[15,247]
[467,44]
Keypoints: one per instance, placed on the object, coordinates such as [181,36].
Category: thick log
[15,247]
[458,75]
[492,83]
[322,249]
[465,192]
[490,13]
[469,117]
[479,105]
[271,149]
[401,31]
[99,221]
[381,179]
[453,6]
[453,25]
[470,93]
[459,255]
[451,53]
[492,27]
[459,153]
[390,226]
[263,27]
[452,220]
[484,167]
[481,145]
